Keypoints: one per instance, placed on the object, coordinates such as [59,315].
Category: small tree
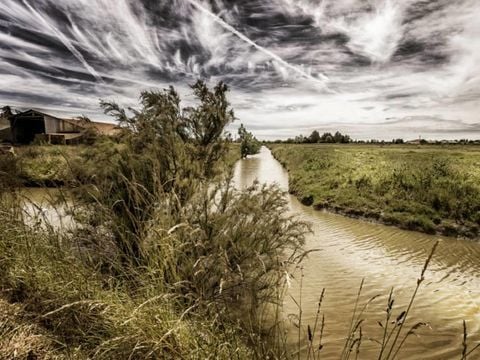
[338,137]
[326,138]
[249,144]
[314,137]
[299,139]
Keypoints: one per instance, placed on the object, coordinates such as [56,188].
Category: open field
[434,189]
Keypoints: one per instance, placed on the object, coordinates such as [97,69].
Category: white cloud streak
[65,41]
[321,77]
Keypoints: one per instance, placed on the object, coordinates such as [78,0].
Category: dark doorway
[25,129]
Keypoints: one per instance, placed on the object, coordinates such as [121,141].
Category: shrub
[249,144]
[9,172]
[163,213]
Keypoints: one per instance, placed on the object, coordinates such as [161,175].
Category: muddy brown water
[47,206]
[350,250]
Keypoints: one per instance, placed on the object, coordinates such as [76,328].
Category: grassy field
[433,188]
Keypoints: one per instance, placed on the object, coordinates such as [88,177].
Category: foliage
[432,189]
[47,165]
[9,171]
[249,144]
[89,136]
[168,154]
[159,212]
[74,311]
[166,259]
[315,138]
[6,112]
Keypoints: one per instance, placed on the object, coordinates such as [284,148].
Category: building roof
[35,112]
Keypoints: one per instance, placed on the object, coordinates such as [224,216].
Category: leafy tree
[249,144]
[326,138]
[299,139]
[338,137]
[314,137]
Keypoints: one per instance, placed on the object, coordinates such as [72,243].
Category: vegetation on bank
[315,138]
[249,145]
[167,259]
[434,189]
[48,165]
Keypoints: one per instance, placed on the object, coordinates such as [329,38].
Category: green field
[430,188]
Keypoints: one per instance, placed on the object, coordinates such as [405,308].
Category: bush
[163,215]
[249,144]
[9,172]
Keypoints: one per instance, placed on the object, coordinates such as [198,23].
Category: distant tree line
[315,137]
[339,138]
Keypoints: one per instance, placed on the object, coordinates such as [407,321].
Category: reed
[311,333]
[465,351]
[402,318]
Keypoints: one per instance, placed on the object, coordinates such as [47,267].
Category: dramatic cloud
[373,68]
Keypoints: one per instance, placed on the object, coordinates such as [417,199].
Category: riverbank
[432,189]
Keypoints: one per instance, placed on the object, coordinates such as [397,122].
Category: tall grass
[167,259]
[202,290]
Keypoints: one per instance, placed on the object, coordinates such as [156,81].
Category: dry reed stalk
[312,334]
[403,316]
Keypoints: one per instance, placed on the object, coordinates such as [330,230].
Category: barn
[27,126]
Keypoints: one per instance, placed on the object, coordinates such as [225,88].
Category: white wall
[51,125]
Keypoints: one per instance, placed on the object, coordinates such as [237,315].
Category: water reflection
[385,257]
[43,206]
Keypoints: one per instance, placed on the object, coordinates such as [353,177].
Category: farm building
[33,125]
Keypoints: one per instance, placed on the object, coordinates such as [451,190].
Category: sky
[371,68]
